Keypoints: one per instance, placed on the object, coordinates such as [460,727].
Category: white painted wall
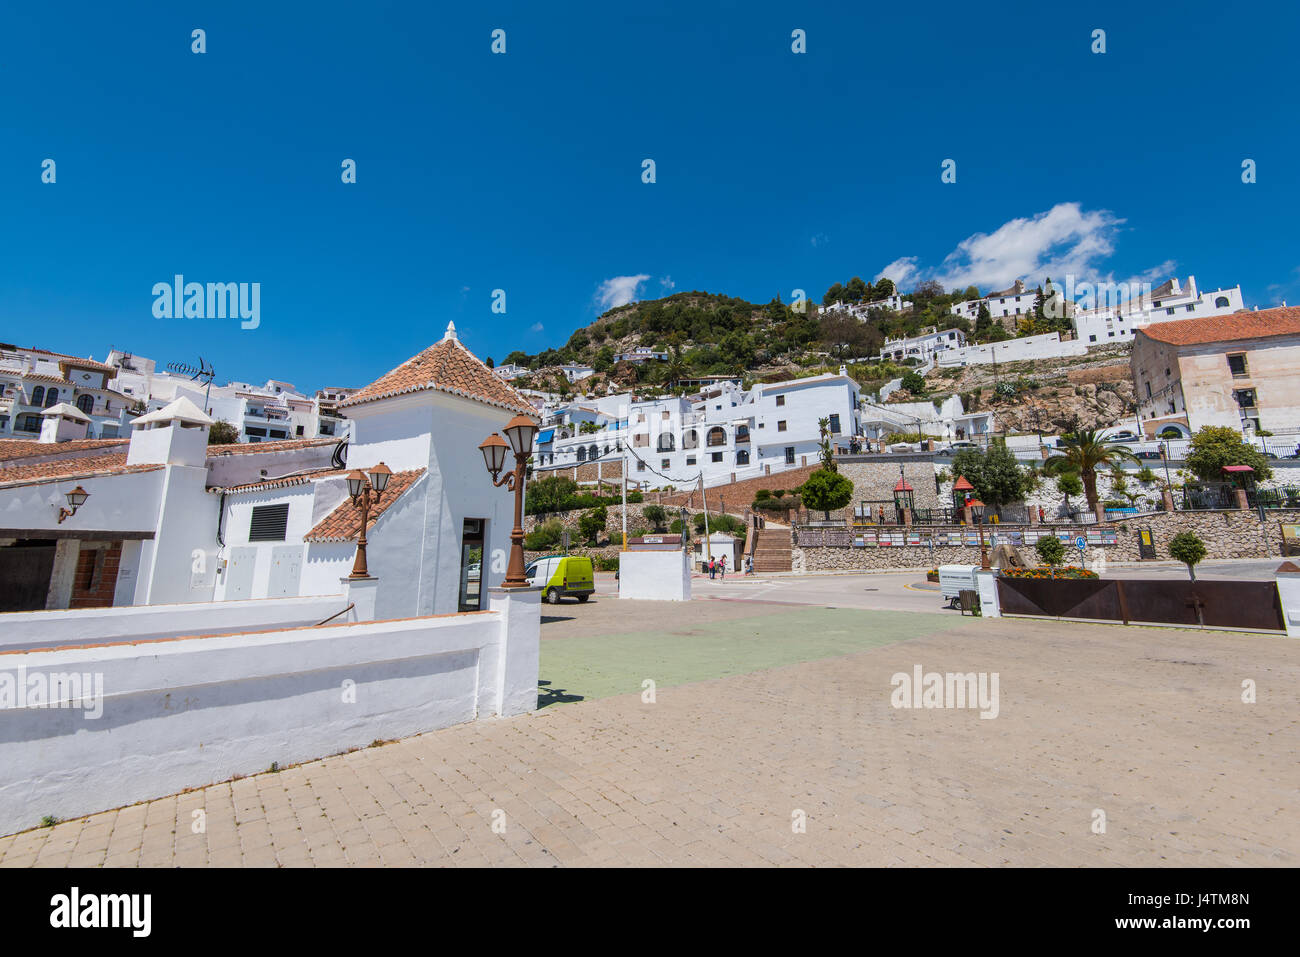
[1288,590]
[194,711]
[86,626]
[655,576]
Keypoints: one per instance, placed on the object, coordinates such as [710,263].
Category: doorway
[25,569]
[471,565]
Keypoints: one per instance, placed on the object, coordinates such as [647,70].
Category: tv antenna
[203,372]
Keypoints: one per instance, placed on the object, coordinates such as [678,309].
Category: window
[742,457]
[593,452]
[690,460]
[269,523]
[742,433]
[38,395]
[51,397]
[666,443]
[279,434]
[715,457]
[1237,365]
[1148,390]
[716,436]
[28,422]
[1187,308]
[86,403]
[690,439]
[665,415]
[780,400]
[835,425]
[582,453]
[640,466]
[780,426]
[1169,311]
[1092,338]
[1220,302]
[298,430]
[664,464]
[789,455]
[252,430]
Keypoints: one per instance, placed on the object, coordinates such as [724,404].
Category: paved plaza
[771,740]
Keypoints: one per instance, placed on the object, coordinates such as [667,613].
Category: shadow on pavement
[547,695]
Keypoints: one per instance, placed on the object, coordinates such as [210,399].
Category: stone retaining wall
[1228,534]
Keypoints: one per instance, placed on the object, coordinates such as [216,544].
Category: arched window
[742,433]
[38,396]
[51,397]
[742,457]
[593,453]
[666,443]
[582,454]
[690,439]
[716,436]
[1220,302]
[86,403]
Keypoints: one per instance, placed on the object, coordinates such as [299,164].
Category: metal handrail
[335,615]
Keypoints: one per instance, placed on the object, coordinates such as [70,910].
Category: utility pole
[708,546]
[624,503]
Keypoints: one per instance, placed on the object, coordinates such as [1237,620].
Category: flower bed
[932,575]
[1043,571]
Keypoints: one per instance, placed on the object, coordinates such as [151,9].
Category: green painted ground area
[587,667]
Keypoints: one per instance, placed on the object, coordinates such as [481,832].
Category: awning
[1237,468]
[545,437]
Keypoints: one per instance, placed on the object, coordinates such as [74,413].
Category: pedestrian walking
[722,567]
[712,568]
[749,564]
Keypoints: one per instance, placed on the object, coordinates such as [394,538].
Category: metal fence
[1209,495]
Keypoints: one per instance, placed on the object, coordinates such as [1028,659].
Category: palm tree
[1083,452]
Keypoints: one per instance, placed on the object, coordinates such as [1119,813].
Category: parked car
[1122,436]
[561,576]
[956,447]
[1147,454]
[475,571]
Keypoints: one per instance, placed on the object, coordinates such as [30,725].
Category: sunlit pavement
[760,731]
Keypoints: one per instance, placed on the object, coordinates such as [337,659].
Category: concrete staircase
[772,550]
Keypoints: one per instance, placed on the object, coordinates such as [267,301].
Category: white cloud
[536,327]
[667,283]
[618,291]
[1066,240]
[819,239]
[901,271]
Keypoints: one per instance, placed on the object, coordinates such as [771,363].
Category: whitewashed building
[1115,320]
[929,344]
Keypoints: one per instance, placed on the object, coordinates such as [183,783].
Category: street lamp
[365,493]
[520,432]
[904,495]
[76,498]
[977,512]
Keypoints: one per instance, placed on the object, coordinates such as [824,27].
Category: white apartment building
[726,433]
[575,371]
[928,344]
[641,354]
[1113,321]
[1015,300]
[509,371]
[33,380]
[949,421]
[860,310]
[270,412]
[1046,346]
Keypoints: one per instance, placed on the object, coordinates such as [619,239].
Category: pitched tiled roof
[25,449]
[446,366]
[89,466]
[259,448]
[285,482]
[1283,321]
[344,523]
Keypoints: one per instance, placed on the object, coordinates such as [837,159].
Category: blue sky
[522,172]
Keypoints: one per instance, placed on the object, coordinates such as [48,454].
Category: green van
[561,575]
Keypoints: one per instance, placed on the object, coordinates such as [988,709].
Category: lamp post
[904,497]
[366,493]
[520,432]
[977,512]
[76,498]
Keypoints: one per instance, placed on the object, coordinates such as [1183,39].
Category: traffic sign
[1080,543]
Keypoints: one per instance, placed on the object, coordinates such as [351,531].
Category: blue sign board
[1080,543]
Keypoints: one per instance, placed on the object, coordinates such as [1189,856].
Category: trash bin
[969,599]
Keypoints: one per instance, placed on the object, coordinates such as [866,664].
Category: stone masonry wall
[1231,534]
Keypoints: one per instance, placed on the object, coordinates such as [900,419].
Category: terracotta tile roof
[1283,321]
[26,449]
[89,466]
[344,523]
[75,363]
[261,448]
[446,366]
[285,482]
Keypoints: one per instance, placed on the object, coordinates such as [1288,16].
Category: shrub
[762,495]
[826,491]
[545,537]
[1050,550]
[1187,548]
[592,525]
[656,515]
